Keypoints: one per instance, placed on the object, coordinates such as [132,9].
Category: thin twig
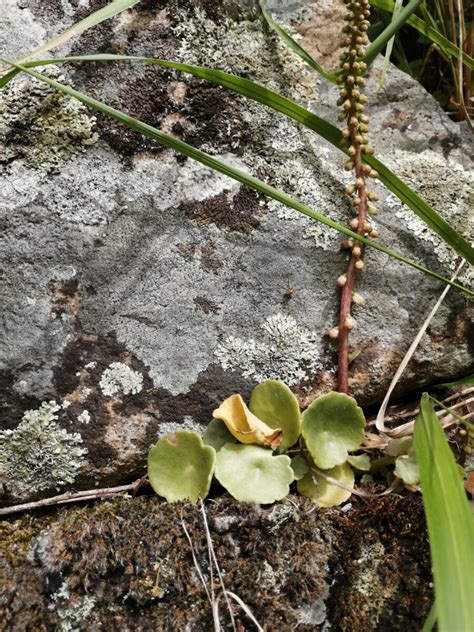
[352,490]
[214,558]
[244,607]
[380,421]
[68,497]
[196,564]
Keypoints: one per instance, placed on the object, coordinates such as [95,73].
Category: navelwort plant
[256,452]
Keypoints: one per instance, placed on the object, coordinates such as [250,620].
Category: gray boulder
[139,289]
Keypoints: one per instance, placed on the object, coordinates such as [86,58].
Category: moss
[131,556]
[42,126]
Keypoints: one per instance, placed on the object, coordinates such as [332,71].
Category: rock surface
[127,565]
[139,289]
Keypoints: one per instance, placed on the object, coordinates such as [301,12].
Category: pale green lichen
[447,186]
[286,351]
[72,615]
[84,417]
[42,126]
[39,454]
[120,378]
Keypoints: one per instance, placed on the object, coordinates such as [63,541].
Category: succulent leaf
[217,434]
[360,462]
[396,447]
[299,467]
[244,425]
[252,474]
[406,468]
[325,494]
[332,425]
[180,466]
[274,403]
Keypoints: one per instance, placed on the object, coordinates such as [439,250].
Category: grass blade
[295,47]
[109,11]
[469,379]
[450,523]
[391,41]
[319,125]
[450,49]
[258,185]
[374,49]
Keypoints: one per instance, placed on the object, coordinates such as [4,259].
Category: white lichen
[85,392]
[39,454]
[74,616]
[40,125]
[170,427]
[84,417]
[90,365]
[120,378]
[447,186]
[286,352]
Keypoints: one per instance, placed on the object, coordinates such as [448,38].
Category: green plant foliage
[395,25]
[217,434]
[469,379]
[359,462]
[274,403]
[396,447]
[180,466]
[299,467]
[422,26]
[332,426]
[314,485]
[252,474]
[450,523]
[406,468]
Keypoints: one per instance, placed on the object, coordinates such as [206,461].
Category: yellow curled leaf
[244,425]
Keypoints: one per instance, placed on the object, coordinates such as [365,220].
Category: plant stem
[348,289]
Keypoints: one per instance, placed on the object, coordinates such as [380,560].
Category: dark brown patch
[66,297]
[12,404]
[210,260]
[187,250]
[239,212]
[77,380]
[206,306]
[132,556]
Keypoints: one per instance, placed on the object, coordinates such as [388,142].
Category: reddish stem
[348,289]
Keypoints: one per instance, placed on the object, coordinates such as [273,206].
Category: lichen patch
[42,126]
[120,378]
[286,351]
[38,454]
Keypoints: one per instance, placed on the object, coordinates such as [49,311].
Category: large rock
[139,289]
[127,565]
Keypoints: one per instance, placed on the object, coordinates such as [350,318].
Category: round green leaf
[332,425]
[327,494]
[252,474]
[396,447]
[359,462]
[274,403]
[299,467]
[217,434]
[406,468]
[180,466]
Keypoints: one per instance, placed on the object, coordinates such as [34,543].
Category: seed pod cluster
[352,100]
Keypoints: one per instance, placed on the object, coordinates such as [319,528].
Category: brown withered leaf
[245,426]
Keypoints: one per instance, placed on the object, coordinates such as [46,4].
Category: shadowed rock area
[140,289]
[127,565]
